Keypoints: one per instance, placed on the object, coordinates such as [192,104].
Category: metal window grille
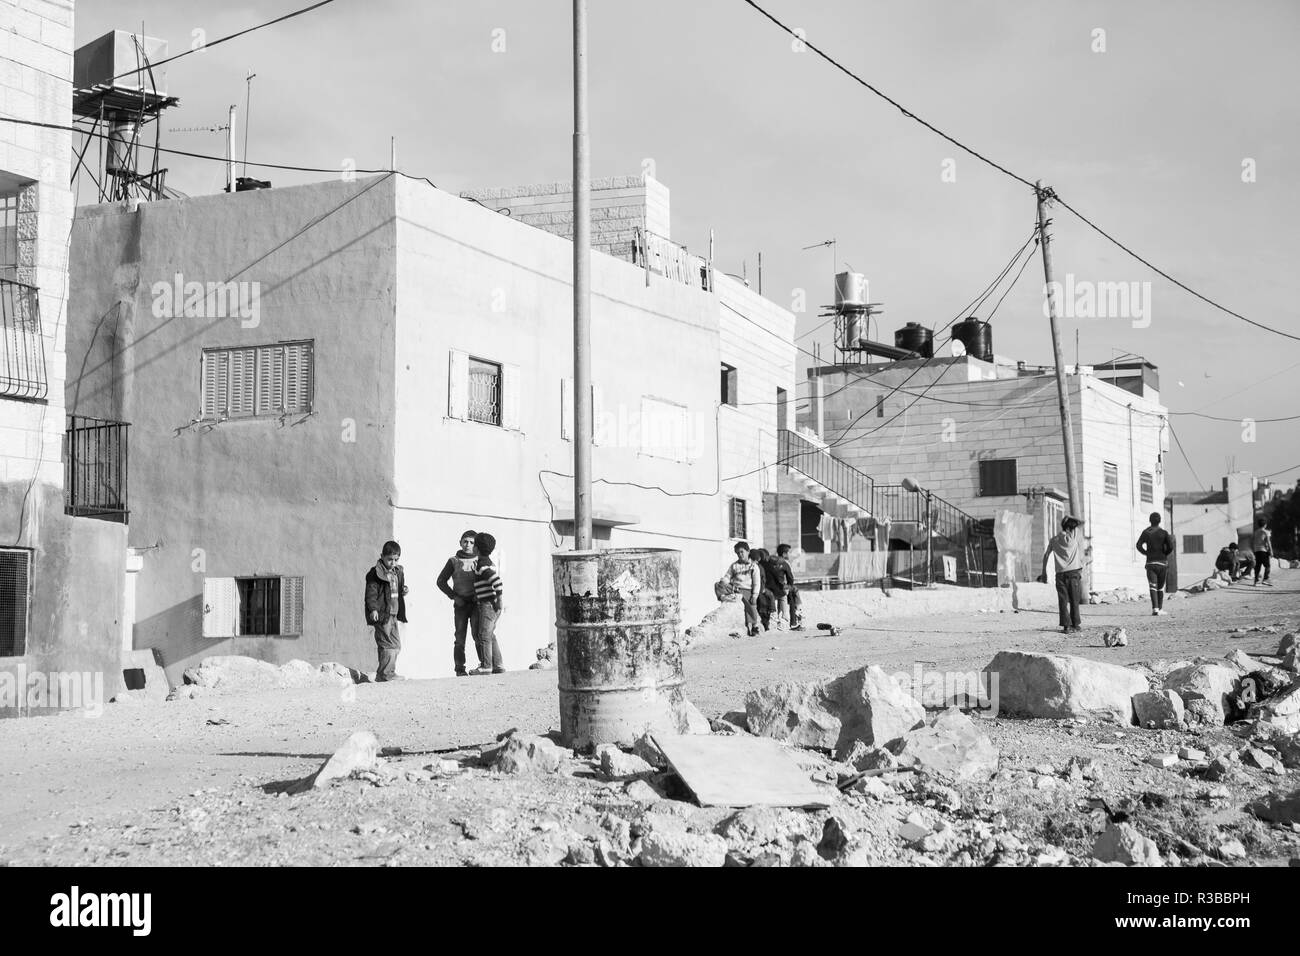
[264,381]
[997,477]
[1111,478]
[22,350]
[259,606]
[1147,487]
[737,522]
[15,574]
[1193,544]
[95,469]
[484,392]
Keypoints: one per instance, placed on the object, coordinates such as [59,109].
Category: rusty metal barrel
[619,661]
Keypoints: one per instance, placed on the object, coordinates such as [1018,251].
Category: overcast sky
[775,150]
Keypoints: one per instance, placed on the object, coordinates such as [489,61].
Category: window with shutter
[1110,476]
[997,477]
[270,380]
[220,607]
[291,607]
[259,606]
[215,385]
[243,387]
[1147,485]
[298,374]
[15,575]
[265,381]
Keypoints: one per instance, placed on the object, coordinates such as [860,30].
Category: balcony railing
[839,477]
[95,469]
[22,350]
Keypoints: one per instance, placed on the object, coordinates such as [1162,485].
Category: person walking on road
[385,607]
[1155,544]
[1261,542]
[1067,550]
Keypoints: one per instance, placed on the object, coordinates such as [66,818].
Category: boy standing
[1156,545]
[1261,542]
[788,595]
[487,606]
[456,580]
[742,577]
[385,607]
[1065,549]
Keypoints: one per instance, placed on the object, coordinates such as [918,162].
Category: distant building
[312,370]
[1204,522]
[985,436]
[61,570]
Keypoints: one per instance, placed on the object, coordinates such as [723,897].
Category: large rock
[1200,712]
[1282,710]
[951,746]
[755,827]
[359,752]
[616,765]
[1121,843]
[1276,808]
[865,704]
[689,719]
[1288,644]
[1162,709]
[1213,682]
[144,674]
[522,754]
[668,848]
[1059,685]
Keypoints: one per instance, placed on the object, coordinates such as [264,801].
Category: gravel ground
[205,781]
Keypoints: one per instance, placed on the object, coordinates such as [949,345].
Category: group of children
[1236,564]
[469,578]
[765,585]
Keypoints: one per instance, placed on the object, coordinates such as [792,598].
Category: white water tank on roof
[851,290]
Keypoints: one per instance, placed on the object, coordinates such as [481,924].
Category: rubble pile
[234,674]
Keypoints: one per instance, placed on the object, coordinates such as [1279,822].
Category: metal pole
[1067,424]
[582,417]
[929,539]
[230,151]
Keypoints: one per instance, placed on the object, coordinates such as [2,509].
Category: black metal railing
[95,469]
[932,527]
[22,350]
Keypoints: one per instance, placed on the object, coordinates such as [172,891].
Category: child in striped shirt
[488,607]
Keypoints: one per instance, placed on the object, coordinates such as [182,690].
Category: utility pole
[582,417]
[1067,424]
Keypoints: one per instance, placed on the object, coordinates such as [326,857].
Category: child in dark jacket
[487,608]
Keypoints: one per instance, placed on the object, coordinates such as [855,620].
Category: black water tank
[915,337]
[977,336]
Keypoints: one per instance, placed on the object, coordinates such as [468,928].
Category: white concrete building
[1203,522]
[380,359]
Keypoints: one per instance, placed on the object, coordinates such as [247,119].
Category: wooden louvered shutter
[290,607]
[270,380]
[242,382]
[216,394]
[220,607]
[458,385]
[508,391]
[298,377]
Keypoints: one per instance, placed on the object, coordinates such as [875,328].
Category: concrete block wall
[757,339]
[619,205]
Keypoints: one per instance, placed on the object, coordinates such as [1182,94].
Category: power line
[1160,272]
[1216,418]
[891,101]
[1282,472]
[1179,443]
[208,46]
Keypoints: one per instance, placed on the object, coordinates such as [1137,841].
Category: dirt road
[64,776]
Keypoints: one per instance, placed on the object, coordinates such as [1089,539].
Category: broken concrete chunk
[669,848]
[689,719]
[616,765]
[525,754]
[1213,682]
[952,747]
[865,704]
[359,752]
[1191,753]
[1163,761]
[645,748]
[642,792]
[1121,843]
[1260,759]
[1059,685]
[1199,712]
[864,756]
[1161,709]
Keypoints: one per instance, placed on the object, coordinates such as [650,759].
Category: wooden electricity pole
[1067,423]
[582,410]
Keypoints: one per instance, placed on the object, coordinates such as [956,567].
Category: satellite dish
[958,348]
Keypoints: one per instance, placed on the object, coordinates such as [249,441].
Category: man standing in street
[456,580]
[385,607]
[1261,542]
[1156,545]
[1067,551]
